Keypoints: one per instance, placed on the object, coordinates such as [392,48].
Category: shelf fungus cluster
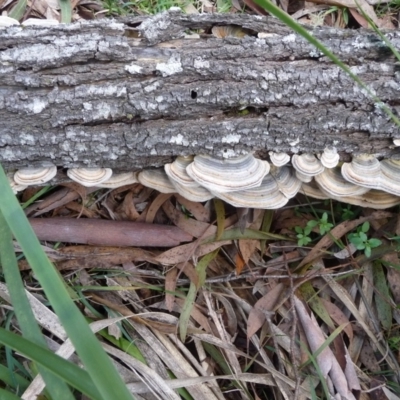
[246,181]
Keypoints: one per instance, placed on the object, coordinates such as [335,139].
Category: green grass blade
[18,10]
[201,268]
[29,327]
[13,379]
[94,358]
[66,11]
[6,395]
[290,22]
[236,234]
[66,370]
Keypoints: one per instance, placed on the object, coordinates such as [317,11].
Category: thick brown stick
[107,233]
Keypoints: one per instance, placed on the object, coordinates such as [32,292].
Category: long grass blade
[29,327]
[69,372]
[94,358]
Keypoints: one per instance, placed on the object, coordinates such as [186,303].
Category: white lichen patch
[294,142]
[171,67]
[153,152]
[27,138]
[231,138]
[179,140]
[37,105]
[133,69]
[291,38]
[199,63]
[107,90]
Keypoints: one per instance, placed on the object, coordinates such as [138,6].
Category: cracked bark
[136,93]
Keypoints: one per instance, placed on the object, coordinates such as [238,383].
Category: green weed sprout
[361,241]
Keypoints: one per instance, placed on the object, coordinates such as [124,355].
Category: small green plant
[346,213]
[303,235]
[361,241]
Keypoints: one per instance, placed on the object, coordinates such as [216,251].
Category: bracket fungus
[279,159]
[156,179]
[14,185]
[118,180]
[330,157]
[35,176]
[274,192]
[228,175]
[332,183]
[183,183]
[363,170]
[306,166]
[89,177]
[374,198]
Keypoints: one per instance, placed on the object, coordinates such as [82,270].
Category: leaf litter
[237,311]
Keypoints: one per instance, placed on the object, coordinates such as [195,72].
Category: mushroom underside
[246,181]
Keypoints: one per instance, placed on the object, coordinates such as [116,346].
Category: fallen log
[139,91]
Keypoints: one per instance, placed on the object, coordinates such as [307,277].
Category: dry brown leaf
[81,210]
[247,248]
[196,314]
[188,269]
[155,206]
[197,209]
[339,317]
[57,199]
[265,304]
[181,254]
[78,257]
[170,286]
[239,263]
[127,208]
[326,359]
[393,275]
[197,228]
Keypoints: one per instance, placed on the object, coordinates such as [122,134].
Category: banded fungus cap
[330,157]
[364,170]
[312,190]
[89,177]
[287,182]
[36,175]
[228,175]
[274,192]
[374,198]
[265,196]
[332,183]
[307,164]
[279,159]
[119,180]
[156,179]
[303,177]
[176,171]
[390,176]
[14,185]
[193,193]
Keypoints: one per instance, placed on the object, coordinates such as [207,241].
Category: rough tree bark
[135,92]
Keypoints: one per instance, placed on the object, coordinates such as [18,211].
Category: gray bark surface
[135,92]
